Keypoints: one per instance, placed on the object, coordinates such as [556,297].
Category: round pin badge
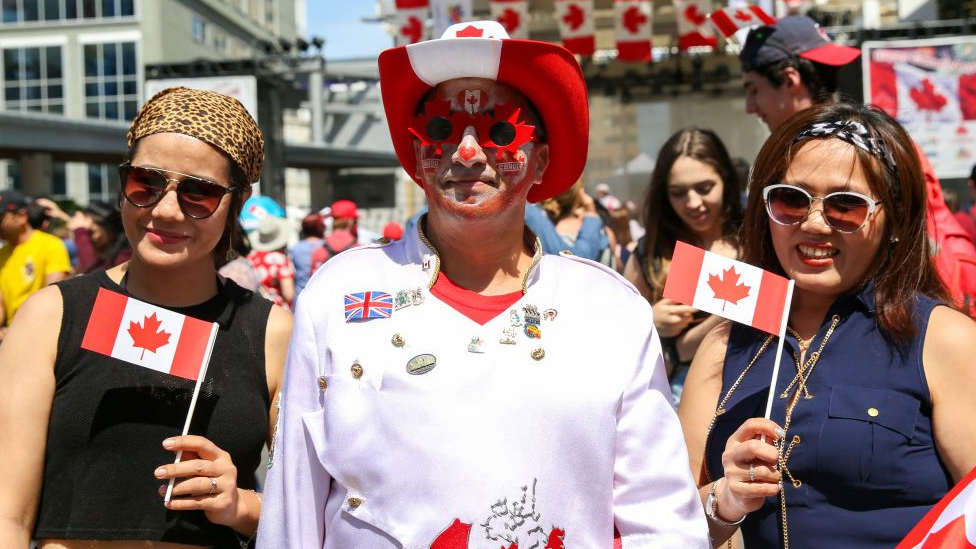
[533,331]
[421,364]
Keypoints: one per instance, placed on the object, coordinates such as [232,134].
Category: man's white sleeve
[655,501]
[293,511]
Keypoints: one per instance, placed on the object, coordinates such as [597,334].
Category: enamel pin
[367,305]
[508,336]
[477,345]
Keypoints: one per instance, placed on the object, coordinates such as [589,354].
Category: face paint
[516,166]
[429,161]
[471,100]
[466,152]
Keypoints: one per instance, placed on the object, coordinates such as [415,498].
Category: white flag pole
[193,402]
[779,349]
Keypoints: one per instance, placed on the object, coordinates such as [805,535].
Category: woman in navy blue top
[871,421]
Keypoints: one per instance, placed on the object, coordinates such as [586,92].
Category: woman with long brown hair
[693,197]
[871,418]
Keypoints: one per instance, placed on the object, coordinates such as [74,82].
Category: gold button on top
[873,412]
[354,502]
[323,383]
[357,370]
[538,354]
[397,340]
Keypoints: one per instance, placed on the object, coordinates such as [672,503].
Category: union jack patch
[366,305]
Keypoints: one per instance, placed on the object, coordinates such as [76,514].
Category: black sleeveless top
[109,419]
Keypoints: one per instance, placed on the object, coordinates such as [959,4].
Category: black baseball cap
[793,36]
[12,201]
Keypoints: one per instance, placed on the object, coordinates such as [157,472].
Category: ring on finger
[752,472]
[213,485]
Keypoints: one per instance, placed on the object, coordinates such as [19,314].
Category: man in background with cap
[29,259]
[449,390]
[793,65]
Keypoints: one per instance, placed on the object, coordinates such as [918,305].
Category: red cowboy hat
[547,74]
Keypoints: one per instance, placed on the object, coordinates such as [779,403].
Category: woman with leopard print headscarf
[90,434]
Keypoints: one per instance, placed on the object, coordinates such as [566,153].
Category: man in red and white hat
[455,389]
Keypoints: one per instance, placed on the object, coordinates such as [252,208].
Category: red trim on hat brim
[832,54]
[547,74]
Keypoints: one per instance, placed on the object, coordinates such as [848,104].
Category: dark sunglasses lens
[199,198]
[788,206]
[846,212]
[438,128]
[143,187]
[502,133]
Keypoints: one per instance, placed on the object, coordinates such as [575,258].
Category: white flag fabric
[449,12]
[411,21]
[729,20]
[576,27]
[692,19]
[634,21]
[513,15]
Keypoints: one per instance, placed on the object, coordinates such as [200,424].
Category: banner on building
[575,18]
[634,20]
[448,12]
[692,19]
[929,86]
[513,15]
[411,21]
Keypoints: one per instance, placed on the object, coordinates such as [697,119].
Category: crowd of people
[504,371]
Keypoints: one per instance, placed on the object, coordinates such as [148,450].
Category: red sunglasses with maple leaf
[498,129]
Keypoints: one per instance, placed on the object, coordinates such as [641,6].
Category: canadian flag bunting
[411,21]
[727,288]
[448,12]
[731,19]
[513,15]
[692,18]
[634,21]
[149,336]
[951,524]
[575,18]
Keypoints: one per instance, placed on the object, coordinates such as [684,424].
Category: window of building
[31,11]
[199,30]
[111,81]
[103,182]
[32,79]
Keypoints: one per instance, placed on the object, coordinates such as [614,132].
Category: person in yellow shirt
[29,259]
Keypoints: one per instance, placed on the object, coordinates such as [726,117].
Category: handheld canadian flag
[634,21]
[692,18]
[734,290]
[513,15]
[411,21]
[951,524]
[127,329]
[148,336]
[575,18]
[731,19]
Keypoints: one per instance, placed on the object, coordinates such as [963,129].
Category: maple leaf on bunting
[413,30]
[692,14]
[728,288]
[743,15]
[510,20]
[634,19]
[574,17]
[148,336]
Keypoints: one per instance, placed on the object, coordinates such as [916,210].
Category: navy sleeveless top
[109,419]
[865,458]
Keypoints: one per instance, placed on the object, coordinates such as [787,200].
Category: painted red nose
[466,153]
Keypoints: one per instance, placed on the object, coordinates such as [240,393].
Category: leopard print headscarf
[214,118]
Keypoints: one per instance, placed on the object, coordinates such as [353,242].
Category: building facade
[85,59]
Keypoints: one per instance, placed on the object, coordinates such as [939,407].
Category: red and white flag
[513,15]
[727,288]
[951,524]
[411,21]
[635,18]
[575,18]
[731,19]
[149,336]
[449,12]
[692,18]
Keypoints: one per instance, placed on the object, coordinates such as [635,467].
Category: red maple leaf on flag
[927,97]
[692,14]
[413,30]
[555,540]
[634,19]
[728,288]
[470,31]
[148,336]
[574,17]
[743,15]
[510,19]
